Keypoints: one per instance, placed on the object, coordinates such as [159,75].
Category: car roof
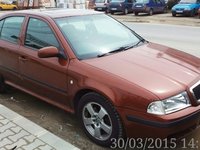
[56,12]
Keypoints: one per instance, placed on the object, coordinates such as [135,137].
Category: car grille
[179,9]
[195,89]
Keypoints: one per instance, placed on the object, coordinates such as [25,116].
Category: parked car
[124,6]
[88,63]
[149,6]
[5,6]
[101,5]
[186,7]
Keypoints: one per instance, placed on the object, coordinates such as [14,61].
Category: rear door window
[11,29]
[39,35]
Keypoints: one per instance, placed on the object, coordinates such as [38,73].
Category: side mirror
[47,52]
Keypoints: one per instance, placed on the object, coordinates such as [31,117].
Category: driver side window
[39,35]
[10,29]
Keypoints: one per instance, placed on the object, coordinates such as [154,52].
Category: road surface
[185,38]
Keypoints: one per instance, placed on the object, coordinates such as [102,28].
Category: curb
[17,132]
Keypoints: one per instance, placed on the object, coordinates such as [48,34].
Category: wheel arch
[109,95]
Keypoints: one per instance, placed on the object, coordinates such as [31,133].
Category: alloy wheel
[97,121]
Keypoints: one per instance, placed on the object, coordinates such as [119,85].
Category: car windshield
[187,1]
[99,1]
[142,1]
[117,0]
[94,35]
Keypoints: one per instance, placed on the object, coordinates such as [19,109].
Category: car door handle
[22,58]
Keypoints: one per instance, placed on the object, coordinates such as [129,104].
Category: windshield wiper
[140,41]
[122,48]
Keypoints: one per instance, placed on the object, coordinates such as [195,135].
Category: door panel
[45,77]
[9,61]
[159,5]
[9,48]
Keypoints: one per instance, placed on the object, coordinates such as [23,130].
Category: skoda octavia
[87,63]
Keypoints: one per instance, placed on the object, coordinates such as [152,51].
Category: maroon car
[88,63]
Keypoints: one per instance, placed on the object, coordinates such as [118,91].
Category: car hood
[158,69]
[183,6]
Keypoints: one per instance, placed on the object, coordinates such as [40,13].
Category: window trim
[20,32]
[26,29]
[3,20]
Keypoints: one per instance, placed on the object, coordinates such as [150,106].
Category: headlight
[169,105]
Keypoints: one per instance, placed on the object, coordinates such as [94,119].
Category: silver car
[101,5]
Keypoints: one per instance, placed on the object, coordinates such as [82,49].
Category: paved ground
[17,132]
[184,38]
[160,19]
[51,118]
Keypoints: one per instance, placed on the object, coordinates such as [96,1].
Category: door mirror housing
[47,52]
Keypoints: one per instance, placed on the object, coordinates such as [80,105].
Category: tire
[136,13]
[150,12]
[99,119]
[0,8]
[14,8]
[192,13]
[107,11]
[174,14]
[2,85]
[125,12]
[112,12]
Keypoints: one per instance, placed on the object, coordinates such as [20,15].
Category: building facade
[25,4]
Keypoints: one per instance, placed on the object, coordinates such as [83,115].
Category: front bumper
[183,12]
[141,10]
[100,8]
[144,125]
[116,9]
